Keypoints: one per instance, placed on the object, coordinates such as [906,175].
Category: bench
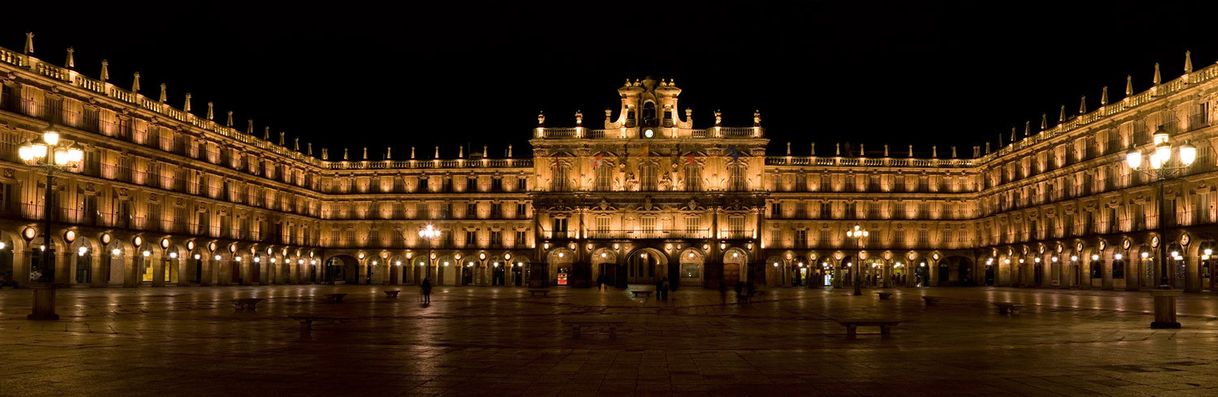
[645,293]
[247,304]
[335,298]
[1007,307]
[930,300]
[306,321]
[535,291]
[578,325]
[884,295]
[392,294]
[853,324]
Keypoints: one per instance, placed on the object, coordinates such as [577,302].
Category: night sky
[464,73]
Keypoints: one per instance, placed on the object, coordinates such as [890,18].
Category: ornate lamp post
[51,155]
[858,234]
[1163,166]
[431,233]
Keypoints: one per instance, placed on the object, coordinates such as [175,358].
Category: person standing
[664,289]
[426,287]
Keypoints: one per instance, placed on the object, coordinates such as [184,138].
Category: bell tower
[648,105]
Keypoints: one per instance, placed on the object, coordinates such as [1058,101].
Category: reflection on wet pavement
[500,341]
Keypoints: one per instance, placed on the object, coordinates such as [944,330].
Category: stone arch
[11,268]
[645,265]
[735,266]
[691,266]
[83,266]
[778,270]
[560,263]
[340,268]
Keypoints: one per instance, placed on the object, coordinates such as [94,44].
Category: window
[522,210]
[693,227]
[471,210]
[602,226]
[471,184]
[471,238]
[693,176]
[604,176]
[521,239]
[737,180]
[648,177]
[776,210]
[497,185]
[522,184]
[560,228]
[801,238]
[496,239]
[422,186]
[735,225]
[647,225]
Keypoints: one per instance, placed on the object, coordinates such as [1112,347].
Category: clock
[649,133]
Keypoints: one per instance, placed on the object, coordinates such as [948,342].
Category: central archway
[645,266]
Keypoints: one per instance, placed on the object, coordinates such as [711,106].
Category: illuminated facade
[168,197]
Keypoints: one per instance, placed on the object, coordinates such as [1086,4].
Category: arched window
[650,118]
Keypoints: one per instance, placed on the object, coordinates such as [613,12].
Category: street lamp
[431,233]
[858,234]
[51,155]
[1163,166]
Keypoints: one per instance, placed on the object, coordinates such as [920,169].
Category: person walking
[664,289]
[426,287]
[722,293]
[739,292]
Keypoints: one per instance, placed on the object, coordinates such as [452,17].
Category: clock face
[649,133]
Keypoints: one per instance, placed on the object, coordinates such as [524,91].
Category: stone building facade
[166,196]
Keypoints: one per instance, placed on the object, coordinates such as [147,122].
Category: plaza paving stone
[498,341]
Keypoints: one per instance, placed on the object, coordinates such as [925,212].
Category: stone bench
[577,325]
[931,300]
[247,304]
[645,293]
[1008,307]
[392,294]
[306,321]
[853,324]
[335,298]
[884,295]
[544,292]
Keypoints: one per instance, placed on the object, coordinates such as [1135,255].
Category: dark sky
[419,73]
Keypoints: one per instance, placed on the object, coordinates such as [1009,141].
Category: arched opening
[735,266]
[1145,268]
[645,266]
[170,262]
[1205,267]
[499,271]
[520,271]
[341,269]
[560,266]
[650,117]
[397,269]
[691,262]
[604,263]
[82,266]
[469,265]
[7,275]
[447,270]
[922,274]
[1179,266]
[421,270]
